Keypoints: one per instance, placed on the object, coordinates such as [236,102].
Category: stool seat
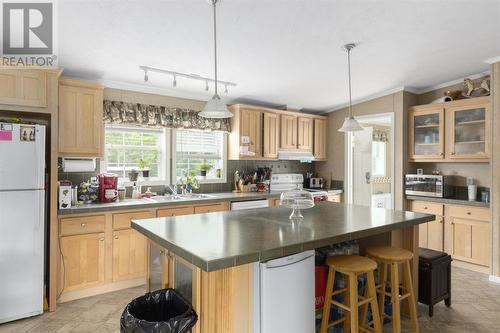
[388,253]
[351,264]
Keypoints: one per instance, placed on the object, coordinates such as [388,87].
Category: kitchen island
[211,255]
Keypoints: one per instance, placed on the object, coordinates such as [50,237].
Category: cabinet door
[288,132]
[271,135]
[23,87]
[80,121]
[83,261]
[129,255]
[422,235]
[435,233]
[305,133]
[320,139]
[251,129]
[468,132]
[426,130]
[472,241]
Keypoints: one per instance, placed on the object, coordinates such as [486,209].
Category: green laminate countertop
[152,203]
[218,240]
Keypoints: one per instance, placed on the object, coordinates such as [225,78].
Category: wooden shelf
[427,126]
[469,142]
[472,122]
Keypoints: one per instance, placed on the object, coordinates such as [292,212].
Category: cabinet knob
[425,207]
[162,252]
[453,153]
[83,225]
[469,213]
[441,154]
[116,236]
[101,239]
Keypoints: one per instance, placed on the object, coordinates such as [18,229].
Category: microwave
[437,186]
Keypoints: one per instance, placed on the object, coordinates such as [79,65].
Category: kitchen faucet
[173,189]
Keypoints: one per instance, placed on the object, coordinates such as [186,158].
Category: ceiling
[279,51]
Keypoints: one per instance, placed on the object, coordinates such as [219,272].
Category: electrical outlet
[245,139]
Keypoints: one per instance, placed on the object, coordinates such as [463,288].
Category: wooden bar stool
[393,257]
[352,267]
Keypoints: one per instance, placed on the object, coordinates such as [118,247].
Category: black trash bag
[161,311]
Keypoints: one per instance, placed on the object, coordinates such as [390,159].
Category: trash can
[161,311]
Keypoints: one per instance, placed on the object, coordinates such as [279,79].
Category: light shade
[215,108]
[350,125]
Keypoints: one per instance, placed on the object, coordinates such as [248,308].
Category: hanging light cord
[214,2]
[349,79]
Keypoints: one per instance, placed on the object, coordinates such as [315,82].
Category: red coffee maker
[108,187]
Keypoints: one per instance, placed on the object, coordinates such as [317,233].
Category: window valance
[136,114]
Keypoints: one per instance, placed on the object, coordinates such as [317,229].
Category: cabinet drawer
[220,207]
[122,220]
[468,212]
[426,207]
[82,225]
[175,211]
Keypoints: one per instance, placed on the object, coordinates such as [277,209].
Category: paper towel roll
[79,164]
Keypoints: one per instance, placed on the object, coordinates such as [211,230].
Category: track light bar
[147,69]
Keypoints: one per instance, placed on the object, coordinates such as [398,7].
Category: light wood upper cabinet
[83,257]
[271,135]
[129,255]
[452,131]
[320,139]
[469,131]
[23,87]
[288,132]
[81,127]
[305,133]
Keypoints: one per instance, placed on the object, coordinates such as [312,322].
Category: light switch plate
[245,139]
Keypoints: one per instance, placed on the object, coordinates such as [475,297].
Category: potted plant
[190,181]
[133,175]
[144,166]
[204,168]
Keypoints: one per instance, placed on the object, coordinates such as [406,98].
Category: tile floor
[475,308]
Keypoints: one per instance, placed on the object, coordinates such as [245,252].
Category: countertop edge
[214,265]
[449,201]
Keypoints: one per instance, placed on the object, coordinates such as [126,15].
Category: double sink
[179,197]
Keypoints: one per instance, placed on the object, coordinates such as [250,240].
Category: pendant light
[350,124]
[215,108]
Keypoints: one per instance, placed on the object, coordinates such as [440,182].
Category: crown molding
[451,83]
[493,60]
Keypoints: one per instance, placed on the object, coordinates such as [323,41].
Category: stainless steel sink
[179,197]
[196,196]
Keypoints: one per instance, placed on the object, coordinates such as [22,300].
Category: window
[126,146]
[379,159]
[195,149]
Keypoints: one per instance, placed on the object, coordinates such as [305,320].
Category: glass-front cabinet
[468,132]
[426,134]
[452,131]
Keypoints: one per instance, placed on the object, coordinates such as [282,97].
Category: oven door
[424,186]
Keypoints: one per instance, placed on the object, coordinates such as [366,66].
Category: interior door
[361,145]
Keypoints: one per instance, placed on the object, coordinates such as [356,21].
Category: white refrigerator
[22,220]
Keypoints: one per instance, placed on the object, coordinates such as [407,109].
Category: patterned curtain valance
[160,116]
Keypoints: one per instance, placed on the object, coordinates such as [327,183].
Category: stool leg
[372,293]
[364,307]
[411,299]
[381,296]
[396,316]
[353,302]
[328,300]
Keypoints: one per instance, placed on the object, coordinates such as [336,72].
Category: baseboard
[472,267]
[106,288]
[494,279]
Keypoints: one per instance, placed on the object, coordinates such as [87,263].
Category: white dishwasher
[249,204]
[284,290]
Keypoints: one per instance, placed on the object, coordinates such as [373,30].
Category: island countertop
[218,240]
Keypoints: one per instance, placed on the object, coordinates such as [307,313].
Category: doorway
[370,162]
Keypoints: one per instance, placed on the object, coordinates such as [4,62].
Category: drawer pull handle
[116,237]
[83,225]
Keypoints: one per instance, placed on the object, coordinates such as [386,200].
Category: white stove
[283,182]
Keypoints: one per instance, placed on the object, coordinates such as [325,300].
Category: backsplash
[232,165]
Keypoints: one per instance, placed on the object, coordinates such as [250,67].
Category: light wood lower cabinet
[218,207]
[464,232]
[175,211]
[129,255]
[82,261]
[335,197]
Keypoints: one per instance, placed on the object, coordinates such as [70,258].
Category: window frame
[164,174]
[173,173]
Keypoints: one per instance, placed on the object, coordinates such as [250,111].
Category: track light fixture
[174,83]
[146,78]
[206,86]
[225,89]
